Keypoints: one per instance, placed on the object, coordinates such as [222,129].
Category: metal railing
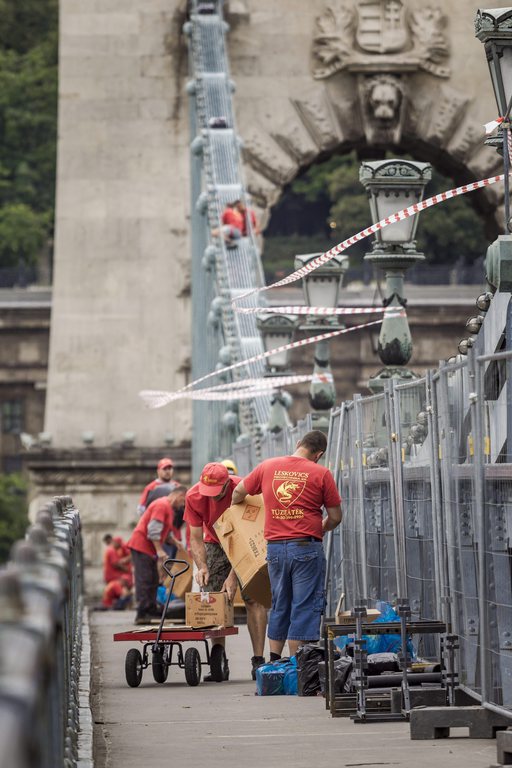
[41,614]
[219,274]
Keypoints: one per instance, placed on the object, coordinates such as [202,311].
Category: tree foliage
[13,512]
[328,203]
[28,126]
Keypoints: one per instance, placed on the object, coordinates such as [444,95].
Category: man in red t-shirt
[248,215]
[117,561]
[295,488]
[232,224]
[117,594]
[162,485]
[204,504]
[155,527]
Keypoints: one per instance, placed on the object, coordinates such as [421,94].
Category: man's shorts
[297,575]
[219,567]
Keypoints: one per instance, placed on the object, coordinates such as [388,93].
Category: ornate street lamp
[392,185]
[493,27]
[322,289]
[276,331]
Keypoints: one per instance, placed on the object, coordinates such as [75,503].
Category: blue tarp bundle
[278,678]
[381,643]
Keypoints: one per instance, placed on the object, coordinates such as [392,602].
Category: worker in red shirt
[204,504]
[162,485]
[295,488]
[117,594]
[232,224]
[117,561]
[248,218]
[155,527]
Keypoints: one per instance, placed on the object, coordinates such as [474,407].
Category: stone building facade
[24,340]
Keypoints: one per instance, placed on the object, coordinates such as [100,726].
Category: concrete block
[504,747]
[435,722]
[427,697]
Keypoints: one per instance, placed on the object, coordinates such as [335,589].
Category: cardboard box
[345,617]
[208,609]
[240,532]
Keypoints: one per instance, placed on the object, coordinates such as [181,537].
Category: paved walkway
[226,725]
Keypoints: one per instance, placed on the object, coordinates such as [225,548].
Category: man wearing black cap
[204,504]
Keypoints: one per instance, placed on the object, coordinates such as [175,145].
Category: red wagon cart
[162,642]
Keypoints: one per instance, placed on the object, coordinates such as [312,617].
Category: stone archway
[383,74]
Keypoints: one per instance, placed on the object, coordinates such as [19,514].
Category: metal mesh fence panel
[377,556]
[491,453]
[461,527]
[413,458]
[333,549]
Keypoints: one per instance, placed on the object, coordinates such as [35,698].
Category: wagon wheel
[159,666]
[133,668]
[192,666]
[218,663]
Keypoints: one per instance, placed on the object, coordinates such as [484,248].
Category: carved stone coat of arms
[376,34]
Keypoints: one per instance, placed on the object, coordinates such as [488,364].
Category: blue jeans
[297,576]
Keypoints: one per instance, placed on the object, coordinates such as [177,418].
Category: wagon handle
[165,565]
[173,577]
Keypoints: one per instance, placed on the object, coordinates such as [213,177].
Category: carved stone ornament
[379,35]
[382,105]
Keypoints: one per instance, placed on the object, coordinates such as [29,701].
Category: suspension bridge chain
[220,274]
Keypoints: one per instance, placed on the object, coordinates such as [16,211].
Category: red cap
[164,463]
[212,479]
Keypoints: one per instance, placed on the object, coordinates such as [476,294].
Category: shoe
[256,661]
[209,678]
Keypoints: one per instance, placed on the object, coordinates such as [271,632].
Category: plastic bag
[388,643]
[380,643]
[308,657]
[278,678]
[342,669]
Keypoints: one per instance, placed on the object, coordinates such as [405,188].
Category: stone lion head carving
[384,95]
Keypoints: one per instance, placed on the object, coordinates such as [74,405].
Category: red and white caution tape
[300,310]
[232,390]
[490,127]
[405,213]
[157,399]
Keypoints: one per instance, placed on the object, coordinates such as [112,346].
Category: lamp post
[392,185]
[276,331]
[322,289]
[493,27]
